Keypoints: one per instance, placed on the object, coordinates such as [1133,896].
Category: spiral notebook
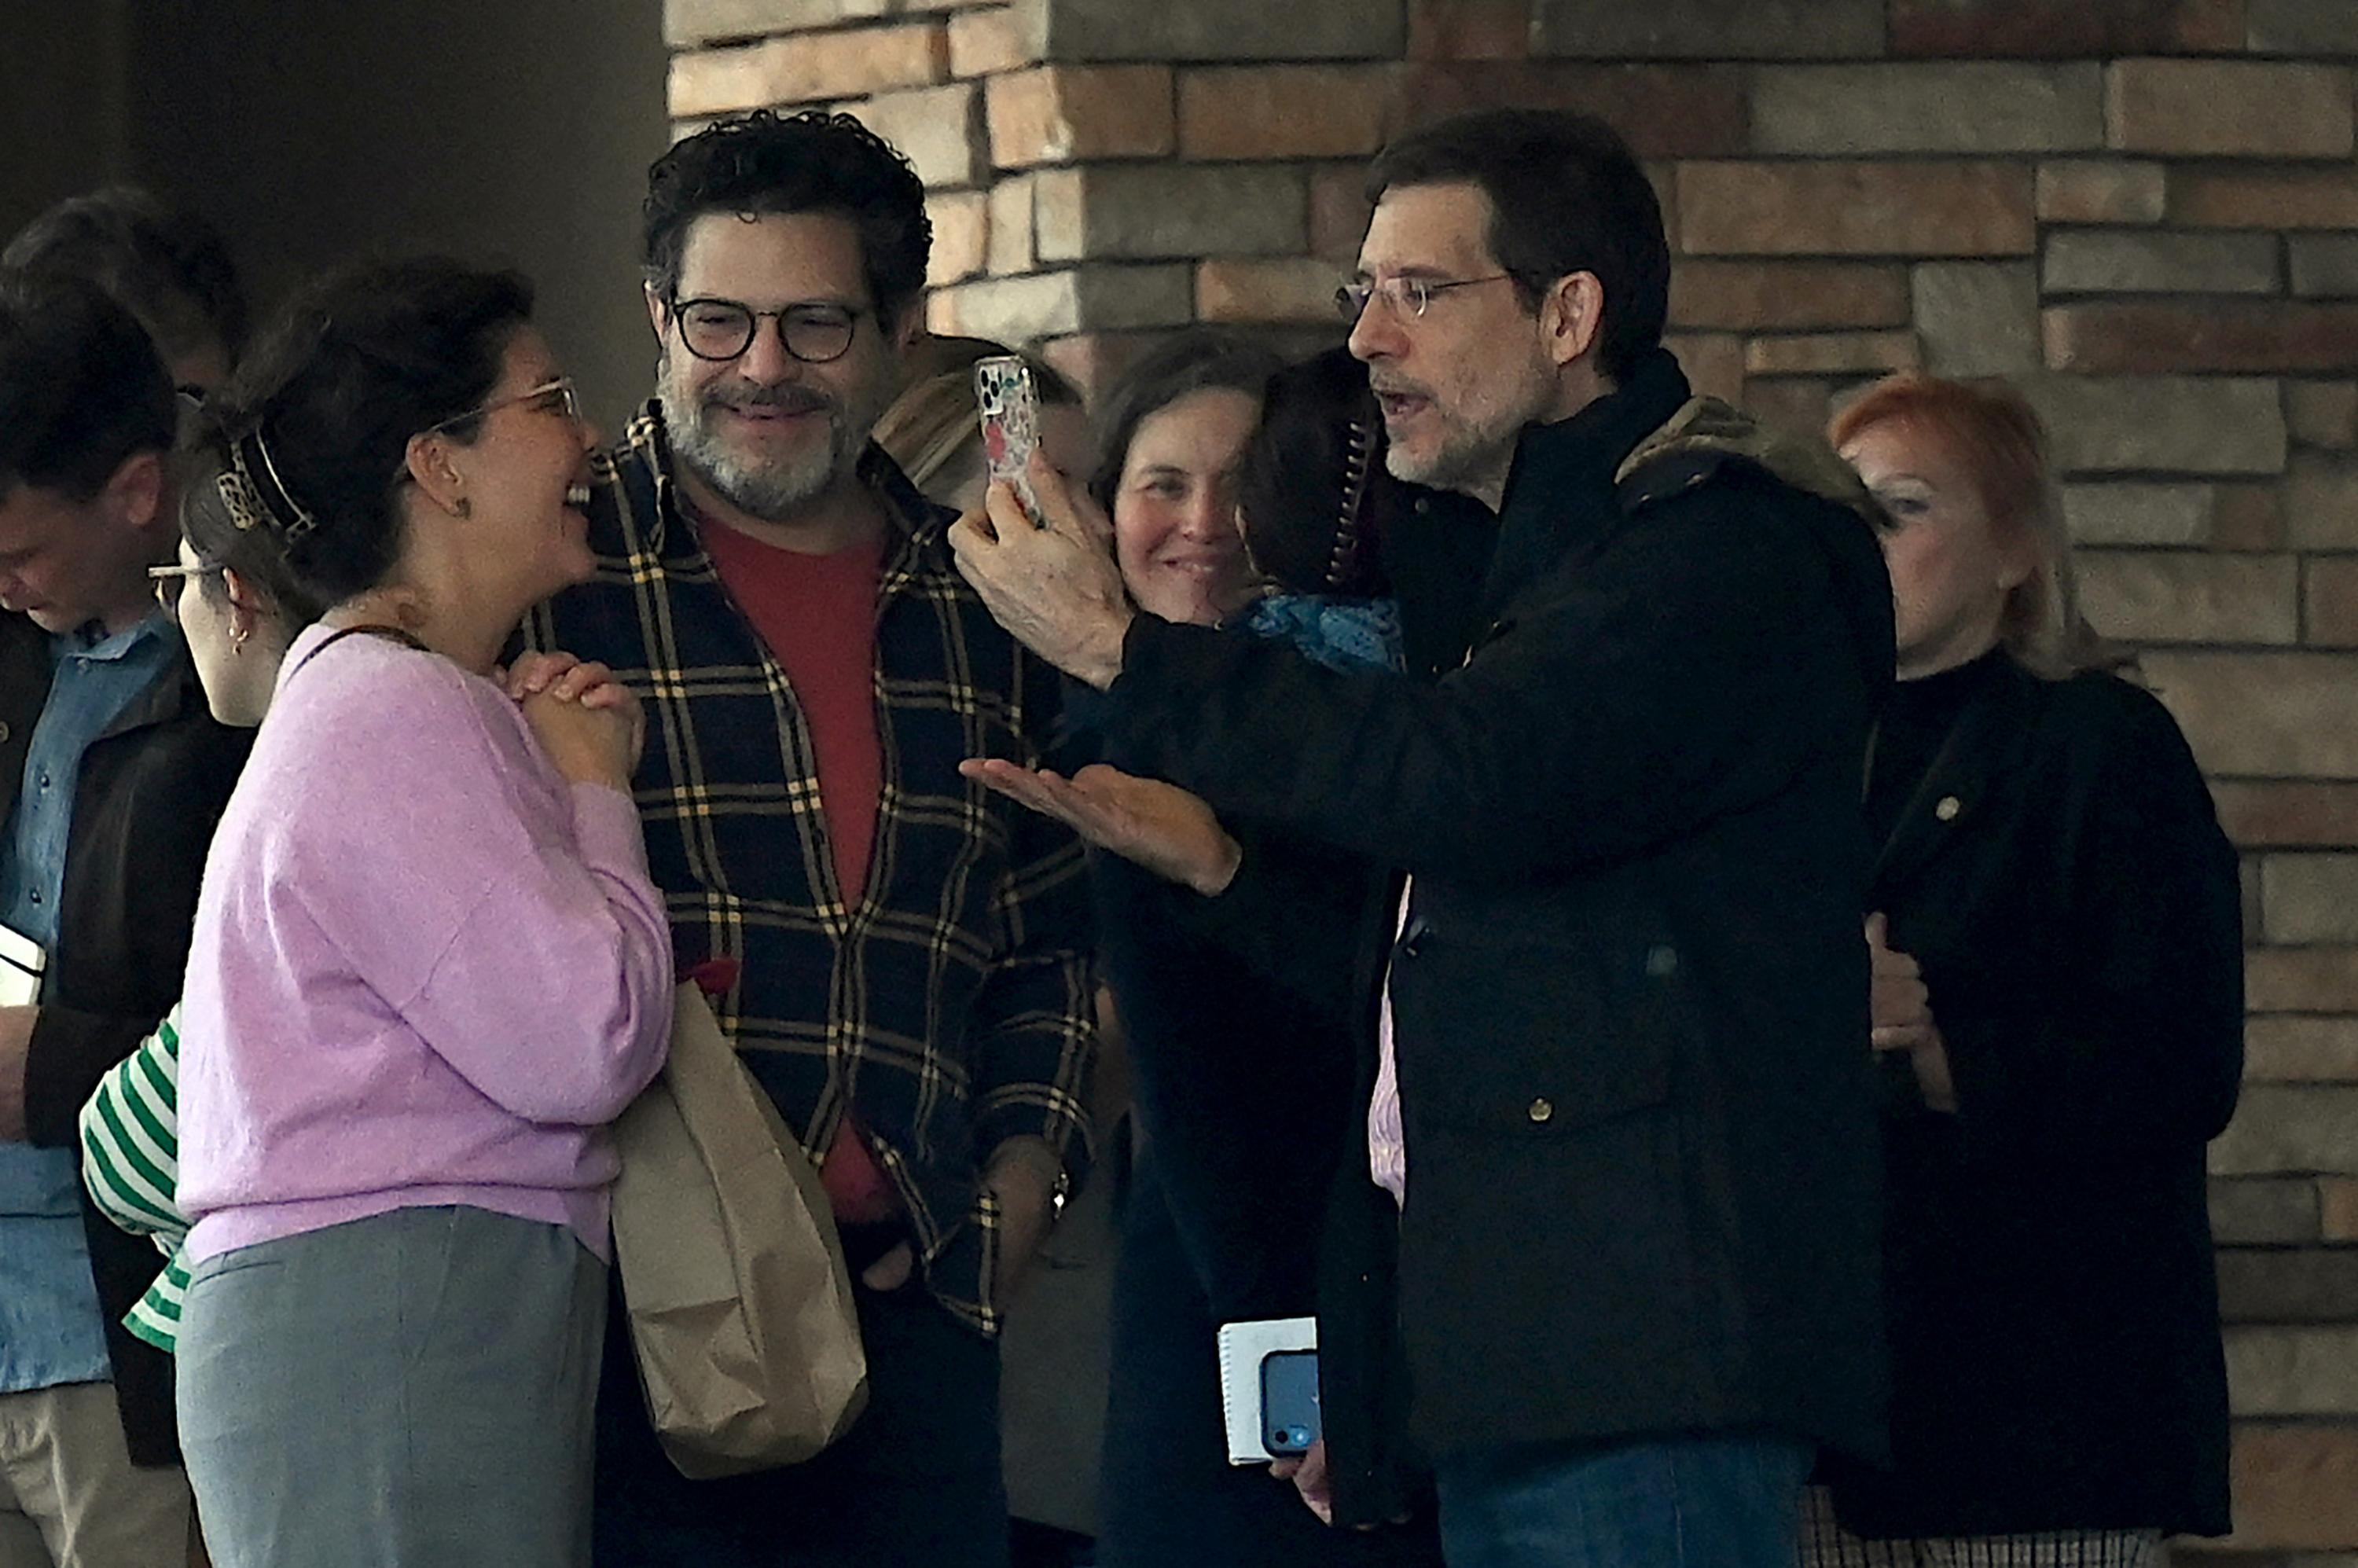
[1241,1347]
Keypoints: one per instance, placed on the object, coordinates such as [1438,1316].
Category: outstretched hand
[1052,584]
[1160,825]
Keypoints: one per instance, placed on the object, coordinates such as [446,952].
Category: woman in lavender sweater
[428,967]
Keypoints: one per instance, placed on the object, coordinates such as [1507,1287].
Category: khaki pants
[70,1496]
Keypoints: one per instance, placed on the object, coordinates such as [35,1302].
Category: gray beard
[773,494]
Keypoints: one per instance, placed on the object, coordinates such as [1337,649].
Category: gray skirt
[411,1390]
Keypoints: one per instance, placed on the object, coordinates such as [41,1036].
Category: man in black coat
[1638,1273]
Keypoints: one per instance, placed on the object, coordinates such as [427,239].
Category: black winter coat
[2060,877]
[150,792]
[1643,1190]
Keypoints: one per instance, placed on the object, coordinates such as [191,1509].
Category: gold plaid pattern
[955,997]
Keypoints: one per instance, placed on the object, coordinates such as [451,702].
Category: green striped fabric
[131,1163]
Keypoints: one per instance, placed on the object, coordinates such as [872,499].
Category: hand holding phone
[1010,409]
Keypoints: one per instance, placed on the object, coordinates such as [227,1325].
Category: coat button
[1541,1110]
[4,732]
[1661,961]
[1948,808]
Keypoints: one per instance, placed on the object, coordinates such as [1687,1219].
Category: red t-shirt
[818,616]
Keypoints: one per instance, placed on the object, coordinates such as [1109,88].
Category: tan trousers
[70,1496]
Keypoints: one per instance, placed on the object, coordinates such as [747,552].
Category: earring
[464,507]
[237,637]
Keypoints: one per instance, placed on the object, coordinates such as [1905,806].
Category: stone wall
[2147,211]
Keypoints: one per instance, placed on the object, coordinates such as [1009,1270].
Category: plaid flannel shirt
[953,1003]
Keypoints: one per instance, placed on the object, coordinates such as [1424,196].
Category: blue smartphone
[1289,1402]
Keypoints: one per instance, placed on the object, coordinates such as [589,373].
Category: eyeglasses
[555,395]
[167,581]
[814,333]
[1402,296]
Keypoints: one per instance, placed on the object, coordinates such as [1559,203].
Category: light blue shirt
[51,1329]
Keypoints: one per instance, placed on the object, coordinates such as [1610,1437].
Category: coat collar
[1990,740]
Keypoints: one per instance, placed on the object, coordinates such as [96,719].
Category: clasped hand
[585,720]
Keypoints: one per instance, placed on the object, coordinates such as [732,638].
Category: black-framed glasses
[814,331]
[167,581]
[554,397]
[1407,297]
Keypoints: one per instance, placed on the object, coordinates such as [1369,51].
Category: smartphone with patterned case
[1010,408]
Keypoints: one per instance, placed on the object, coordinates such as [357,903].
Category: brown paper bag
[741,1309]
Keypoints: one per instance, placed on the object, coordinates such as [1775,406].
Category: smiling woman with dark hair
[430,967]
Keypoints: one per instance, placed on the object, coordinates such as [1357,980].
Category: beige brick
[938,129]
[1266,290]
[2228,108]
[2321,495]
[2100,191]
[2301,979]
[1710,29]
[1282,111]
[2111,262]
[2272,814]
[2289,1129]
[2295,1486]
[1714,362]
[1063,114]
[2323,413]
[2273,715]
[1959,207]
[1338,212]
[2155,596]
[2325,265]
[2137,512]
[2249,517]
[2274,198]
[687,23]
[1831,353]
[2264,1211]
[2310,899]
[1977,107]
[1748,295]
[1801,404]
[2043,28]
[1020,310]
[1469,30]
[2330,601]
[2293,1049]
[1145,210]
[2232,335]
[1011,248]
[2167,424]
[2304,26]
[1222,30]
[1094,361]
[809,68]
[1977,318]
[986,42]
[962,237]
[2293,1371]
[2337,1199]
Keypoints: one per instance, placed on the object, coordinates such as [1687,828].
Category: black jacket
[1642,1173]
[2062,878]
[150,790]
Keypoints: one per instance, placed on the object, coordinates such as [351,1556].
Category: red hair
[1991,432]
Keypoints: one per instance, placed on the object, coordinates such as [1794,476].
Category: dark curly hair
[322,411]
[1566,196]
[164,263]
[81,391]
[768,163]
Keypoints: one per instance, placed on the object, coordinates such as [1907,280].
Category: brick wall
[2145,211]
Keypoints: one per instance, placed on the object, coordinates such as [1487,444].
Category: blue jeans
[1708,1502]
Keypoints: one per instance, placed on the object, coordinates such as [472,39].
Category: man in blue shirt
[111,772]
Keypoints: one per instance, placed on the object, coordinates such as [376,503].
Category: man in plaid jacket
[911,984]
